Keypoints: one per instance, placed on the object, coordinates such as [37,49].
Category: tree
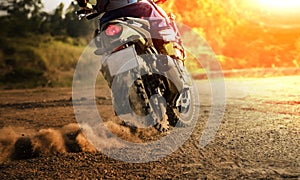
[23,16]
[56,21]
[75,27]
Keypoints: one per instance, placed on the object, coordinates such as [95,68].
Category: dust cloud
[21,143]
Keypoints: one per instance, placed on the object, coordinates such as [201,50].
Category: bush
[22,65]
[25,75]
[38,60]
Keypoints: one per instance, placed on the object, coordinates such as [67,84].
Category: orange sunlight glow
[271,13]
[279,5]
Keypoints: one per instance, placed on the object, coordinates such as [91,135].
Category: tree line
[238,41]
[26,17]
[38,48]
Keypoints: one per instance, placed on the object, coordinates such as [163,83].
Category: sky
[52,4]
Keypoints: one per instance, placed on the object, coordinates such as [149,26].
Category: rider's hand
[86,10]
[84,4]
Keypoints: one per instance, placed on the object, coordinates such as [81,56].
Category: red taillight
[113,30]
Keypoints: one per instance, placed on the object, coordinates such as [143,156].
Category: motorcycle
[146,74]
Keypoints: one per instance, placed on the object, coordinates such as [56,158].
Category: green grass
[38,61]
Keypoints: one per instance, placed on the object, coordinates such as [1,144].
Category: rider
[159,20]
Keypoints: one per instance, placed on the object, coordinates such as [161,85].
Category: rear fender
[134,31]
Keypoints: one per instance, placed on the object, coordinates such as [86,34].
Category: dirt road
[259,136]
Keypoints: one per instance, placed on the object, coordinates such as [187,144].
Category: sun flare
[279,5]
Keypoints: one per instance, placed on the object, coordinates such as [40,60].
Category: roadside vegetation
[240,36]
[41,49]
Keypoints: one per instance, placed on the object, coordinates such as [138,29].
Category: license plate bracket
[121,61]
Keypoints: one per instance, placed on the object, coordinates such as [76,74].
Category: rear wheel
[138,98]
[155,107]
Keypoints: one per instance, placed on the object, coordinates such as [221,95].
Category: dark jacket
[108,5]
